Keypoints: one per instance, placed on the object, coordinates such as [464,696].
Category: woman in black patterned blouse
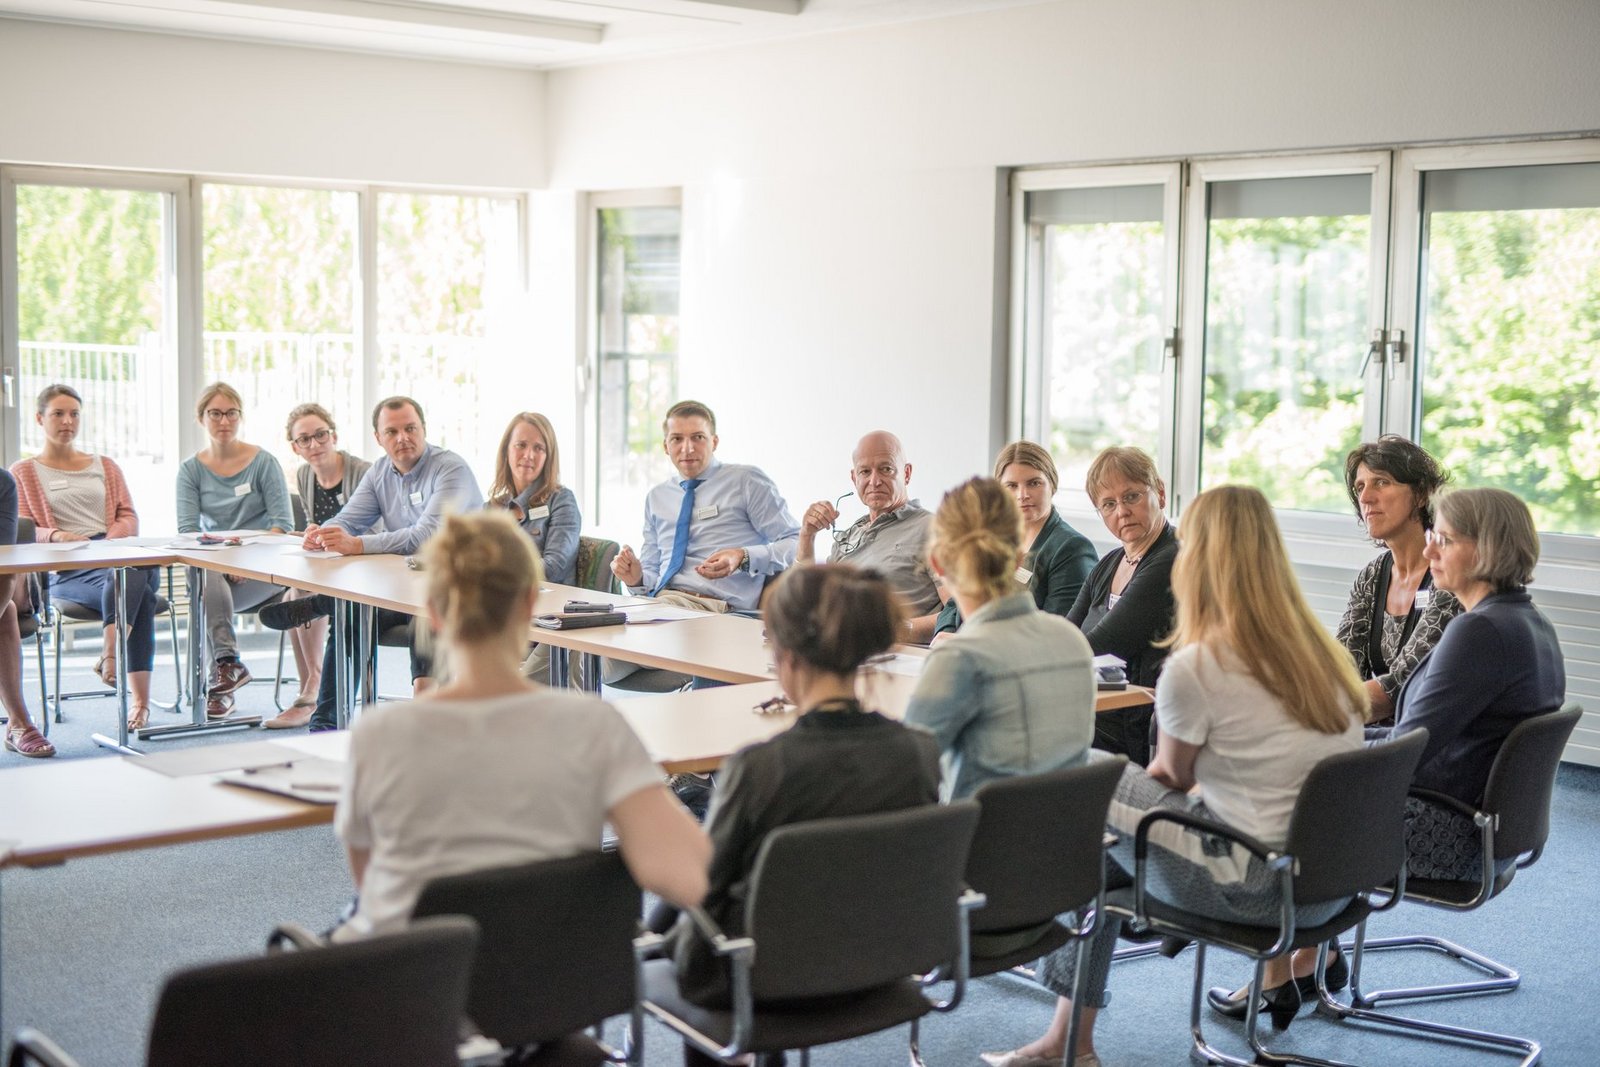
[1395,616]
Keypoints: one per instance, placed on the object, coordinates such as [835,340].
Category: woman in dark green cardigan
[1059,558]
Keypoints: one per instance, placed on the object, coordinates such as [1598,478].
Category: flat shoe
[29,742]
[292,717]
[1017,1059]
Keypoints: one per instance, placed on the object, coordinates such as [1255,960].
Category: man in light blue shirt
[716,532]
[407,494]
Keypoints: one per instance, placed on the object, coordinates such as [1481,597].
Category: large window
[1507,330]
[337,295]
[94,309]
[637,270]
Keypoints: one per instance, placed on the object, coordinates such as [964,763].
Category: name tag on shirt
[1111,601]
[1423,600]
[59,487]
[1023,576]
[416,497]
[241,490]
[708,512]
[540,512]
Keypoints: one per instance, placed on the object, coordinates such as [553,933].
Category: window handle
[1396,353]
[8,388]
[1374,351]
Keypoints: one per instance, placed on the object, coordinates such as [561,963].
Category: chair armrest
[30,1046]
[1141,842]
[1446,801]
[292,935]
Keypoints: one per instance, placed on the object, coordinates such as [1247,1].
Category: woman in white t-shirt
[489,769]
[1255,693]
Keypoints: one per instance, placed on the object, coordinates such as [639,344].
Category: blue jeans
[92,588]
[325,717]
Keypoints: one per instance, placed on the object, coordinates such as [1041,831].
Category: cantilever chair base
[1502,979]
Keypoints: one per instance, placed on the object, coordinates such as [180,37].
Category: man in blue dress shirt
[713,534]
[407,494]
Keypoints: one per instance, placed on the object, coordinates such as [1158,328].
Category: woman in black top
[1126,605]
[1059,558]
[838,759]
[1396,614]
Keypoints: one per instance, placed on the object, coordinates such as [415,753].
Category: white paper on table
[661,613]
[901,664]
[1106,659]
[193,546]
[311,553]
[63,546]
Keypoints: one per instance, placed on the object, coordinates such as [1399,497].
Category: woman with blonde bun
[489,769]
[1012,692]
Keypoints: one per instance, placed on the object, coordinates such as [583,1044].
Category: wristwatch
[744,560]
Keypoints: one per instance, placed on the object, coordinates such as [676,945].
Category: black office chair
[842,915]
[1039,853]
[555,955]
[1514,820]
[374,1003]
[1346,840]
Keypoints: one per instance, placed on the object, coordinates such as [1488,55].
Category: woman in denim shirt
[527,479]
[1013,691]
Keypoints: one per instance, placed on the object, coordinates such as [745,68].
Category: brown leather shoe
[219,707]
[228,676]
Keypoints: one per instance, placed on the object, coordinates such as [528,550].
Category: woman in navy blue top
[1498,663]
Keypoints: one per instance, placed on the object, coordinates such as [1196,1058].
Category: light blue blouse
[257,498]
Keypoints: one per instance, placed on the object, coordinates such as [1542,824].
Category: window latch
[1396,348]
[1374,352]
[1170,346]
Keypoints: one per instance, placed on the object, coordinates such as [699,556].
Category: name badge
[540,512]
[416,497]
[708,512]
[241,490]
[59,487]
[1111,601]
[1023,576]
[1423,600]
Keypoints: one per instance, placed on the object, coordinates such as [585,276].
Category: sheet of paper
[661,613]
[181,763]
[310,553]
[315,780]
[899,663]
[63,546]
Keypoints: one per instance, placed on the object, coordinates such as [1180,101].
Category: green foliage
[280,260]
[1511,378]
[89,264]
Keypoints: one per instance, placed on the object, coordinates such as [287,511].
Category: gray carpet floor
[86,945]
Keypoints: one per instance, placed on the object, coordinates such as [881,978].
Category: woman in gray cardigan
[322,484]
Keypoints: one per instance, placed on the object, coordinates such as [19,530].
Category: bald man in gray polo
[891,538]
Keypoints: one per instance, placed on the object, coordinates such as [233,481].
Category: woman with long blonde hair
[1254,694]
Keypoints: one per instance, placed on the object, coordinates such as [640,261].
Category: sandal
[29,742]
[138,717]
[105,668]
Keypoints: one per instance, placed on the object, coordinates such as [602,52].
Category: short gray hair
[1501,525]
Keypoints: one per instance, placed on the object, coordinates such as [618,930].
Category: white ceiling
[522,33]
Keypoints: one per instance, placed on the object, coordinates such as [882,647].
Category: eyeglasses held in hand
[842,537]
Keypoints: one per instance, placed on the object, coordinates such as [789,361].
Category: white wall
[110,98]
[839,190]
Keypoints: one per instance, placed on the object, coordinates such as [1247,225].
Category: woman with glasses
[323,484]
[1498,663]
[1125,607]
[1013,692]
[229,485]
[1396,613]
[1058,558]
[73,495]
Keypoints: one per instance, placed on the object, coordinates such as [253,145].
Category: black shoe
[693,791]
[288,614]
[1281,1003]
[1337,975]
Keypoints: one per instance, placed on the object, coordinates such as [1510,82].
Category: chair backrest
[841,905]
[298,508]
[386,1000]
[595,555]
[1348,826]
[23,593]
[1522,779]
[1038,849]
[556,950]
